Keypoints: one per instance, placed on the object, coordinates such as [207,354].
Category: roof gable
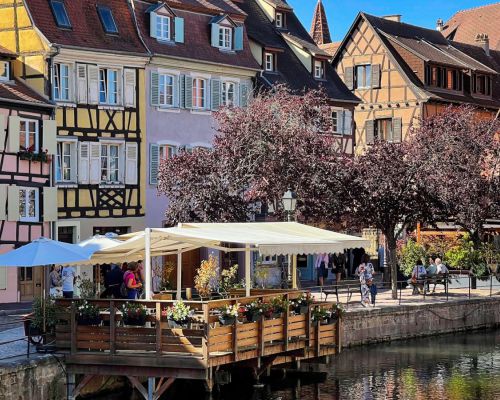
[160,8]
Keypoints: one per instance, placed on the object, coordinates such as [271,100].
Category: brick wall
[416,64]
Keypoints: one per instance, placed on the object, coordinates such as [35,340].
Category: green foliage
[227,279]
[87,310]
[87,287]
[38,315]
[465,256]
[409,256]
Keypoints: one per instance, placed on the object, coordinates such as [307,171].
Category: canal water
[463,366]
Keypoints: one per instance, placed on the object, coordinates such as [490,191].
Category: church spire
[319,27]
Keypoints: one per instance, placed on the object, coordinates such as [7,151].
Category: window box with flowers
[254,310]
[229,314]
[88,314]
[327,316]
[133,314]
[179,315]
[30,155]
[301,304]
[277,307]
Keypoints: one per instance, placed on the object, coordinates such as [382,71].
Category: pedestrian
[130,280]
[338,265]
[321,268]
[55,281]
[418,274]
[113,281]
[365,272]
[68,281]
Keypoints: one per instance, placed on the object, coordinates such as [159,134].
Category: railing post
[261,336]
[205,341]
[469,284]
[400,290]
[308,326]
[317,346]
[491,284]
[235,339]
[285,321]
[112,328]
[73,328]
[158,327]
[446,286]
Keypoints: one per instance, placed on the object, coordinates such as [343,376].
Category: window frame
[224,94]
[36,147]
[7,71]
[104,9]
[204,97]
[376,129]
[59,157]
[170,151]
[58,77]
[106,86]
[36,217]
[321,65]
[160,18]
[367,76]
[120,148]
[280,19]
[225,42]
[59,23]
[336,125]
[163,76]
[269,61]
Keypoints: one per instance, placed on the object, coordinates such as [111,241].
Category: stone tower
[319,27]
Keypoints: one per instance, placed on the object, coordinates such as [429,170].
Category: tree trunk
[392,262]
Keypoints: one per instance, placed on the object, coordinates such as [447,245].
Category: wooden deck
[156,350]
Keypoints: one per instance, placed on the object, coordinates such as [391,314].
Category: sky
[341,13]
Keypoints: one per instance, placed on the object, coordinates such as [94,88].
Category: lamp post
[289,200]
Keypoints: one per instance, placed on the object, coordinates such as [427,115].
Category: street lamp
[289,200]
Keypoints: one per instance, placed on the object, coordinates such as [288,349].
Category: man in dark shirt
[113,281]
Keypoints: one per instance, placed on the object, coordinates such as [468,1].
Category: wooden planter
[89,321]
[252,316]
[176,325]
[227,320]
[301,310]
[134,321]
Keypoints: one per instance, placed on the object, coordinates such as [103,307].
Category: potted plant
[227,280]
[301,304]
[178,315]
[88,314]
[205,280]
[279,306]
[133,314]
[228,314]
[337,311]
[254,310]
[322,315]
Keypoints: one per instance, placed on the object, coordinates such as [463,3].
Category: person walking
[129,278]
[365,272]
[55,281]
[113,281]
[321,268]
[68,281]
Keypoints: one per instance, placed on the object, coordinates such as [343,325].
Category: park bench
[346,286]
[435,280]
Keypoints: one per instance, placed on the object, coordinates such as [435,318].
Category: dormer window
[4,71]
[162,27]
[319,69]
[443,78]
[60,14]
[269,61]
[481,84]
[279,20]
[107,20]
[225,37]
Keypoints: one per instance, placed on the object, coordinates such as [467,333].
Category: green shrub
[409,256]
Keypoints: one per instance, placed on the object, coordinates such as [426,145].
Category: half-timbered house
[87,57]
[27,197]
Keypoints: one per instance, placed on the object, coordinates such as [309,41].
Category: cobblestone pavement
[13,347]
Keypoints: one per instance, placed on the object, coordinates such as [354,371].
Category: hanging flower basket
[30,155]
[134,314]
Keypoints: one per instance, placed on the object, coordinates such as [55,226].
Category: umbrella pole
[248,284]
[179,275]
[147,262]
[44,303]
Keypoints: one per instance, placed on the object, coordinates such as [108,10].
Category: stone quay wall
[410,321]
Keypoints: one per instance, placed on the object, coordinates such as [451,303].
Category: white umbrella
[44,251]
[99,242]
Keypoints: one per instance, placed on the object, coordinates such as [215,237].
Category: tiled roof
[330,48]
[306,44]
[320,32]
[291,71]
[196,40]
[19,92]
[87,30]
[279,3]
[465,25]
[217,6]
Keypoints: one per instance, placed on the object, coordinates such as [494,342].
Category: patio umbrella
[99,242]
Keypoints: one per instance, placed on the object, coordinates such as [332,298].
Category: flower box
[301,310]
[177,324]
[139,320]
[252,316]
[226,320]
[88,321]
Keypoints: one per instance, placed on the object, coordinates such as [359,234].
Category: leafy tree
[411,253]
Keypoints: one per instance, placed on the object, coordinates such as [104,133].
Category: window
[318,69]
[269,61]
[228,94]
[61,82]
[66,162]
[107,20]
[225,37]
[383,129]
[108,86]
[110,162]
[363,76]
[28,131]
[336,121]
[199,93]
[279,20]
[166,90]
[166,151]
[481,84]
[342,122]
[443,78]
[4,71]
[162,27]
[28,204]
[60,14]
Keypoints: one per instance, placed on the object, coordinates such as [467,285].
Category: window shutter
[129,79]
[215,35]
[176,90]
[93,73]
[179,29]
[13,135]
[238,38]
[154,163]
[243,95]
[155,89]
[349,78]
[95,163]
[81,83]
[131,150]
[3,133]
[397,128]
[182,80]
[370,131]
[3,202]
[13,203]
[119,87]
[152,24]
[340,121]
[347,122]
[49,204]
[188,92]
[376,76]
[50,136]
[83,162]
[216,88]
[3,278]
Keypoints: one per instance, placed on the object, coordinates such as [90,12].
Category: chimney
[483,40]
[394,17]
[439,25]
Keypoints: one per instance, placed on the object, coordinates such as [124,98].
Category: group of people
[62,281]
[434,269]
[335,262]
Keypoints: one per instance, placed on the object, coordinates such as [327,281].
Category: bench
[426,282]
[347,286]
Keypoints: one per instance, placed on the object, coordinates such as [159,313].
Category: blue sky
[341,13]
